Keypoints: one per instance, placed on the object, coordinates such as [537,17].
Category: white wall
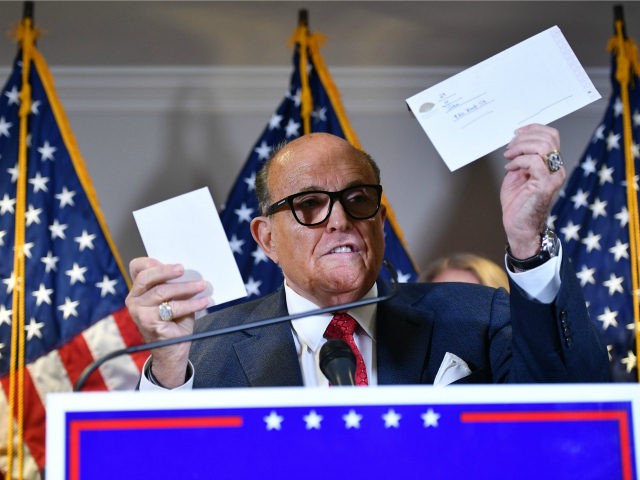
[148,134]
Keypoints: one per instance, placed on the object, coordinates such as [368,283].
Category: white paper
[186,229]
[478,110]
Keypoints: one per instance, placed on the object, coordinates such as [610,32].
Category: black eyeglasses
[313,207]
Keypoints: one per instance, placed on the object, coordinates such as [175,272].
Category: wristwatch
[549,247]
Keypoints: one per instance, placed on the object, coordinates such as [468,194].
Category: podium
[585,431]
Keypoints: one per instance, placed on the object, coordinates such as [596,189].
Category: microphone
[237,328]
[338,363]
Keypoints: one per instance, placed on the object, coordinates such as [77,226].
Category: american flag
[261,275]
[592,219]
[74,286]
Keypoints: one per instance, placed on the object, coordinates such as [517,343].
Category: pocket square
[451,369]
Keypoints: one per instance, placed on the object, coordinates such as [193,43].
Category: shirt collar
[310,330]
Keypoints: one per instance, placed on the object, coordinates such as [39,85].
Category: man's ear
[261,231]
[383,212]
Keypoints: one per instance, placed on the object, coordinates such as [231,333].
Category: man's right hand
[150,288]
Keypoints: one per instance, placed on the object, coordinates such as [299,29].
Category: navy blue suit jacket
[502,338]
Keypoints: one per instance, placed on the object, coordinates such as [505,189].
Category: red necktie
[342,326]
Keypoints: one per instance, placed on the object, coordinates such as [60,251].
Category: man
[323,224]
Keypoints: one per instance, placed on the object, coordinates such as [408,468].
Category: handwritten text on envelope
[477,111]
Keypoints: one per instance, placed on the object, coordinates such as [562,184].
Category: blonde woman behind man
[466,267]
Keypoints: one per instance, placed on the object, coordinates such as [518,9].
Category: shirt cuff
[541,283]
[147,385]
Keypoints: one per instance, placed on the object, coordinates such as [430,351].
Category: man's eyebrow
[354,183]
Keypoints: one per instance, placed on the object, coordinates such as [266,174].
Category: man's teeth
[343,249]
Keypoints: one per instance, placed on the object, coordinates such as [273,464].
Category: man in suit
[322,222]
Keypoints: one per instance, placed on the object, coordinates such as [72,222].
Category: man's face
[334,262]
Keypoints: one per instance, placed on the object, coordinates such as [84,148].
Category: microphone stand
[236,328]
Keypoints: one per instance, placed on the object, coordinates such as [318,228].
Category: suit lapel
[268,355]
[403,337]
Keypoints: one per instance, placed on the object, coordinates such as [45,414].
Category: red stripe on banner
[76,427]
[130,335]
[75,355]
[619,416]
[34,418]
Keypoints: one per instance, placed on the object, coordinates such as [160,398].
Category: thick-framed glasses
[313,207]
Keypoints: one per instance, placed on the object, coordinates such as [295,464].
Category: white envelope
[186,229]
[478,110]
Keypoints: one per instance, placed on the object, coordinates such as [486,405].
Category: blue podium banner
[525,431]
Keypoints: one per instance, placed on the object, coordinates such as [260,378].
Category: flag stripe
[75,355]
[34,419]
[120,372]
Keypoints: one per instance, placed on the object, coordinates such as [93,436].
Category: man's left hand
[529,187]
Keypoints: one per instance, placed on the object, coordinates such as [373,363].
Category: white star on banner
[106,286]
[592,241]
[35,107]
[292,128]
[605,174]
[32,215]
[251,182]
[4,127]
[617,107]
[570,232]
[2,234]
[236,244]
[13,95]
[598,208]
[619,250]
[85,240]
[13,171]
[68,308]
[26,249]
[6,204]
[57,230]
[76,274]
[430,418]
[253,287]
[5,315]
[320,114]
[274,121]
[43,294]
[613,141]
[586,276]
[273,421]
[244,213]
[66,197]
[403,277]
[263,151]
[33,329]
[258,256]
[629,361]
[614,284]
[352,419]
[622,216]
[391,419]
[312,420]
[580,199]
[46,151]
[608,318]
[49,262]
[598,134]
[588,166]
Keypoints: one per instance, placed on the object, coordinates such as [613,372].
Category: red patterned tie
[342,326]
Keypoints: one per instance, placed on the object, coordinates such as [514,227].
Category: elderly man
[322,222]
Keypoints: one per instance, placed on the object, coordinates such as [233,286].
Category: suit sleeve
[555,342]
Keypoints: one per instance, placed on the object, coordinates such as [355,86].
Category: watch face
[549,242]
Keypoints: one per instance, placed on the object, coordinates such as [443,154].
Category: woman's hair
[488,273]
